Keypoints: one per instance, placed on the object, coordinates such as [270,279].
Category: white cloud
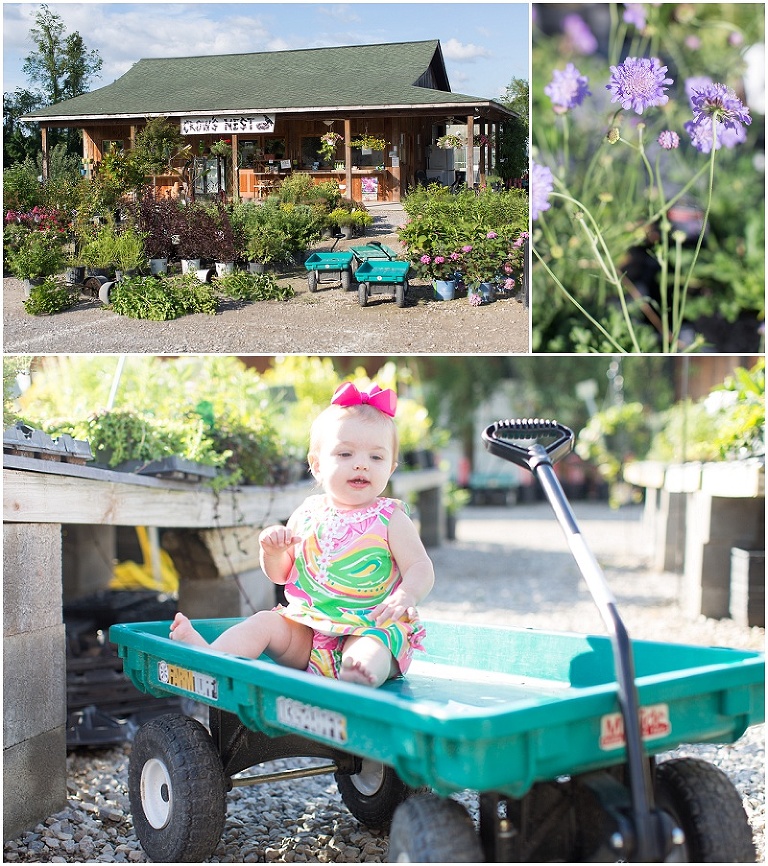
[463,52]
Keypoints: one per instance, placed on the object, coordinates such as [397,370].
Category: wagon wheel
[91,287]
[312,281]
[429,829]
[373,794]
[401,293]
[346,280]
[362,294]
[706,805]
[177,790]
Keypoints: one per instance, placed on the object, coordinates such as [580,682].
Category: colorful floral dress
[343,570]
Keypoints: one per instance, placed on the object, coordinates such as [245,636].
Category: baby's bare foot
[354,672]
[183,631]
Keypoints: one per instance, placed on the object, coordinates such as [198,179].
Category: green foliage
[21,188]
[276,231]
[157,145]
[162,299]
[613,435]
[49,297]
[39,254]
[727,424]
[244,286]
[210,409]
[628,188]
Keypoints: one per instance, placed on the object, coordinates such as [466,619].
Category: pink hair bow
[348,394]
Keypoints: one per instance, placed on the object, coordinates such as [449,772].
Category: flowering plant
[368,141]
[634,227]
[441,265]
[222,147]
[450,141]
[328,142]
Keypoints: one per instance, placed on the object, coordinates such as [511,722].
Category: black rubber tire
[373,794]
[312,281]
[177,789]
[346,281]
[706,805]
[431,829]
[401,291]
[362,294]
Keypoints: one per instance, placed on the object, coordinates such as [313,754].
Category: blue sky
[485,45]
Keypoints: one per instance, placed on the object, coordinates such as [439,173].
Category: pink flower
[491,235]
[439,260]
[454,257]
[425,260]
[466,249]
[509,284]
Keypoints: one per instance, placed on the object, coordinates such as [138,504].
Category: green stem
[576,304]
[664,263]
[700,240]
[605,261]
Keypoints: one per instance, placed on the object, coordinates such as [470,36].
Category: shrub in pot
[38,255]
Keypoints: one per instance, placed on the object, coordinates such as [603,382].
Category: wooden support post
[348,156]
[235,170]
[470,151]
[44,140]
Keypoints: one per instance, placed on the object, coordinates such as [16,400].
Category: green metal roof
[358,76]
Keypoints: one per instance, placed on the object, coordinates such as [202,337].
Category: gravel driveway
[327,321]
[507,566]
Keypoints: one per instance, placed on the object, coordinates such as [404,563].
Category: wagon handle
[536,444]
[381,247]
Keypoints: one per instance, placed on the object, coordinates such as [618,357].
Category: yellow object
[131,575]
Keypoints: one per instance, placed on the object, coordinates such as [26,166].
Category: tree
[20,140]
[513,144]
[62,66]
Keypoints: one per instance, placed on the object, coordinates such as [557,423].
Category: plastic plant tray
[485,708]
[328,261]
[382,271]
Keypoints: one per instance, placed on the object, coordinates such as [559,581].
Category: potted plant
[268,246]
[454,499]
[49,297]
[154,216]
[38,255]
[484,259]
[342,217]
[129,253]
[450,142]
[99,251]
[368,143]
[439,266]
[361,219]
[328,142]
[224,244]
[193,227]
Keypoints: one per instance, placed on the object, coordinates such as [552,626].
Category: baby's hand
[275,540]
[398,605]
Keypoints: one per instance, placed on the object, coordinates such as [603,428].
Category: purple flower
[668,139]
[454,257]
[719,118]
[639,83]
[491,236]
[542,185]
[696,82]
[634,13]
[567,89]
[466,248]
[579,35]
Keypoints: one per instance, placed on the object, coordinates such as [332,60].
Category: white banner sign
[220,124]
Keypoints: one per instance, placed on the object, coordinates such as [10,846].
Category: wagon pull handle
[536,444]
[519,441]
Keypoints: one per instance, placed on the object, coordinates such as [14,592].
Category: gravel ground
[506,566]
[329,320]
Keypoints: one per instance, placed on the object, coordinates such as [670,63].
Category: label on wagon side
[190,681]
[654,724]
[313,720]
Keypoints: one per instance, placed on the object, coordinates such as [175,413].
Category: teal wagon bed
[557,733]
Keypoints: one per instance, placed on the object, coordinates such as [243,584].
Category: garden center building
[388,104]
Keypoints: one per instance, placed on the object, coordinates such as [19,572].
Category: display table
[43,501]
[695,515]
